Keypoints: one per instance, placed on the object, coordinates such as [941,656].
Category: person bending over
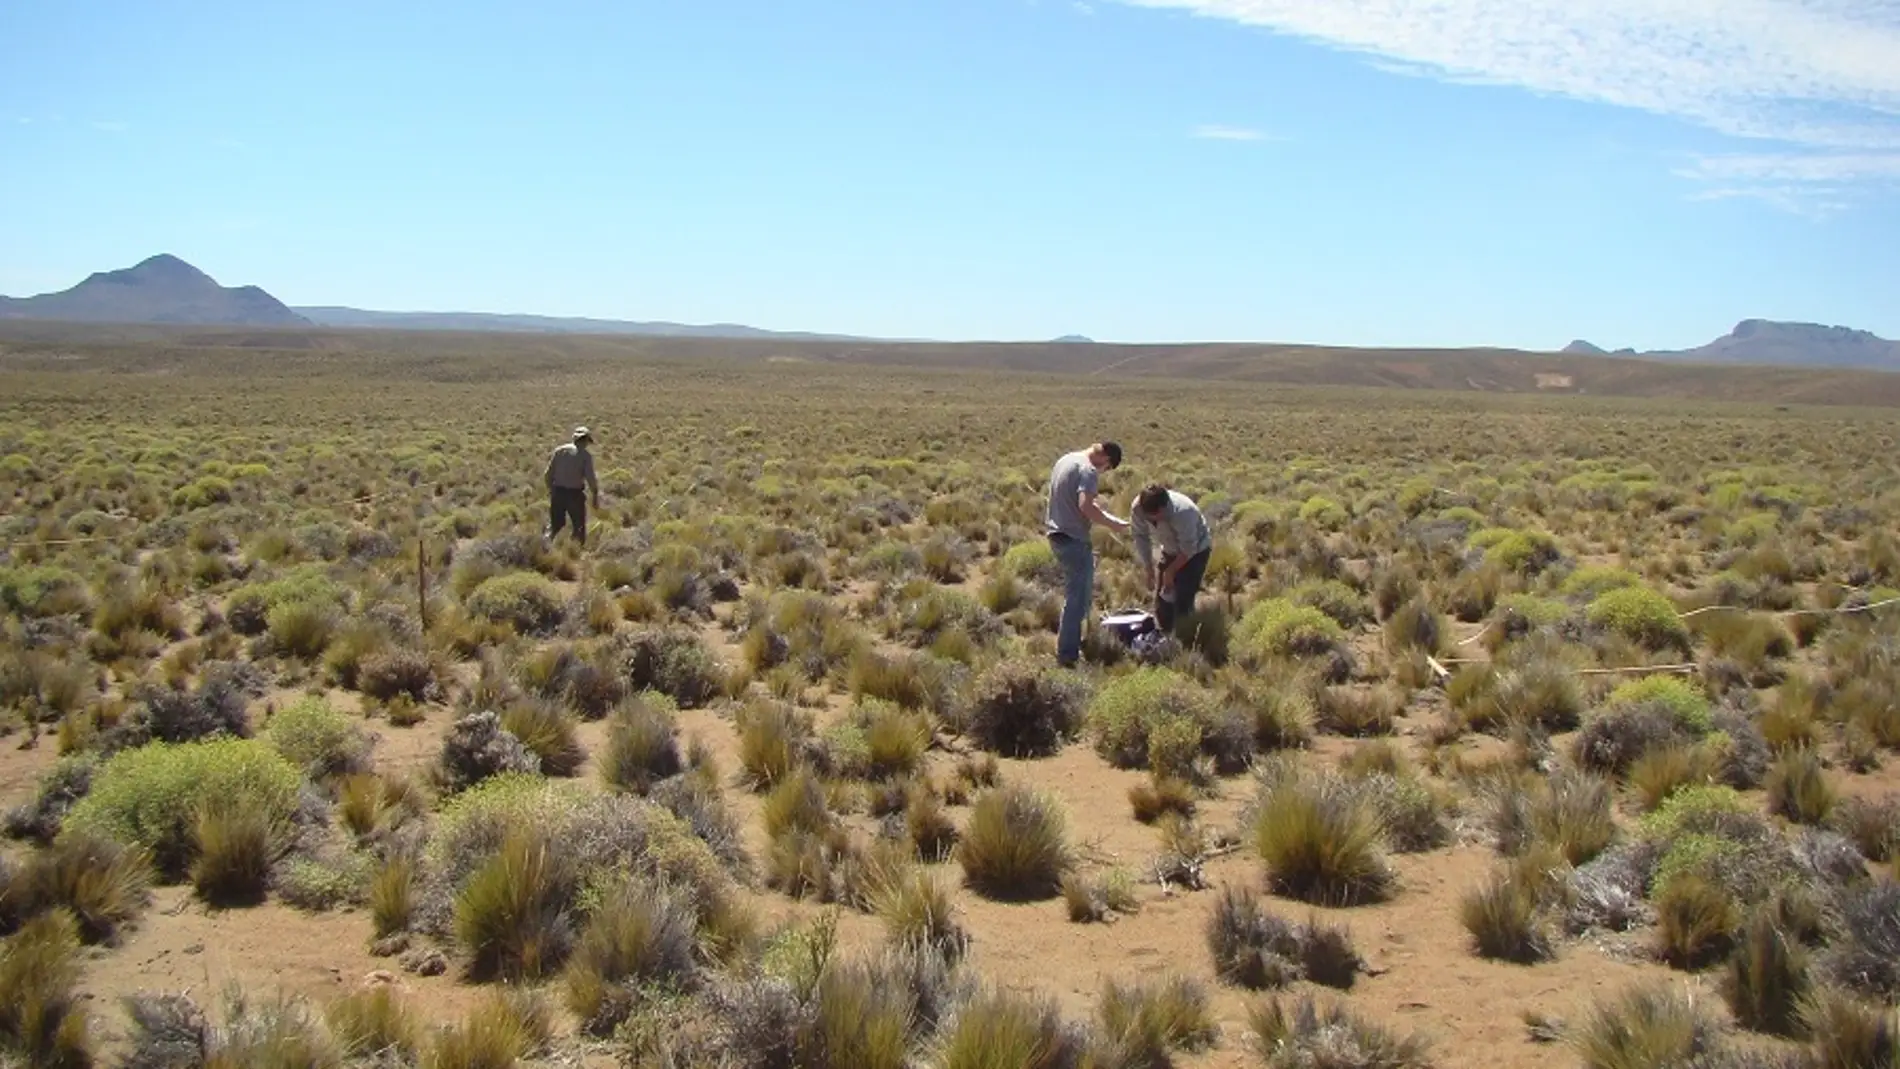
[1171,519]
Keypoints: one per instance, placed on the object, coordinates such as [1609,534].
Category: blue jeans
[1077,557]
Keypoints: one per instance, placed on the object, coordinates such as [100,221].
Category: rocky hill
[1762,342]
[161,289]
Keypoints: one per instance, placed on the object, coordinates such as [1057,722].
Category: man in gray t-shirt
[1070,511]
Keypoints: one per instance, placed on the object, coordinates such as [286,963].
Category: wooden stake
[422,584]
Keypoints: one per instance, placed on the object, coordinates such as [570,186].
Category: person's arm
[1144,544]
[1089,507]
[547,477]
[593,485]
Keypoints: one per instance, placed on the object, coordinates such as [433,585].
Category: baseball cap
[581,432]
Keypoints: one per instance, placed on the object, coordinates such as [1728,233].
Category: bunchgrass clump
[1645,1025]
[637,935]
[1296,1034]
[1015,845]
[42,1017]
[1322,841]
[1256,949]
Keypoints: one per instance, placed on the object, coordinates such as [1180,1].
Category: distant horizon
[300,308]
[1364,173]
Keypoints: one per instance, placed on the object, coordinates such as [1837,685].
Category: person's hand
[597,501]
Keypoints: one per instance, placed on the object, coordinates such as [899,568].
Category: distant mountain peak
[1074,339]
[1775,342]
[157,289]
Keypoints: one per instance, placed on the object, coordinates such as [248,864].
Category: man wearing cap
[1071,509]
[1171,519]
[570,479]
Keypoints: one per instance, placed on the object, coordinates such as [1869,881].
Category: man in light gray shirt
[1172,519]
[570,479]
[1066,520]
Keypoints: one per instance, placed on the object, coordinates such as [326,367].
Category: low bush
[1642,616]
[526,601]
[478,747]
[319,739]
[1278,628]
[150,797]
[676,662]
[1020,708]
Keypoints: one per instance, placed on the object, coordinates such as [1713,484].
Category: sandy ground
[1423,974]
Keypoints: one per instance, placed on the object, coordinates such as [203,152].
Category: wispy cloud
[1216,132]
[112,126]
[1821,77]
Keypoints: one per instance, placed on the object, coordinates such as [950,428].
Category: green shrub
[1683,699]
[1127,710]
[1034,561]
[248,609]
[150,796]
[1525,552]
[42,590]
[1640,615]
[319,739]
[1341,603]
[1594,580]
[1277,627]
[526,601]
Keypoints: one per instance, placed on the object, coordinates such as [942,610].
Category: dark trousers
[1187,586]
[567,506]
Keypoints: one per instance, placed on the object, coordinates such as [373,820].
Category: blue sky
[1368,172]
